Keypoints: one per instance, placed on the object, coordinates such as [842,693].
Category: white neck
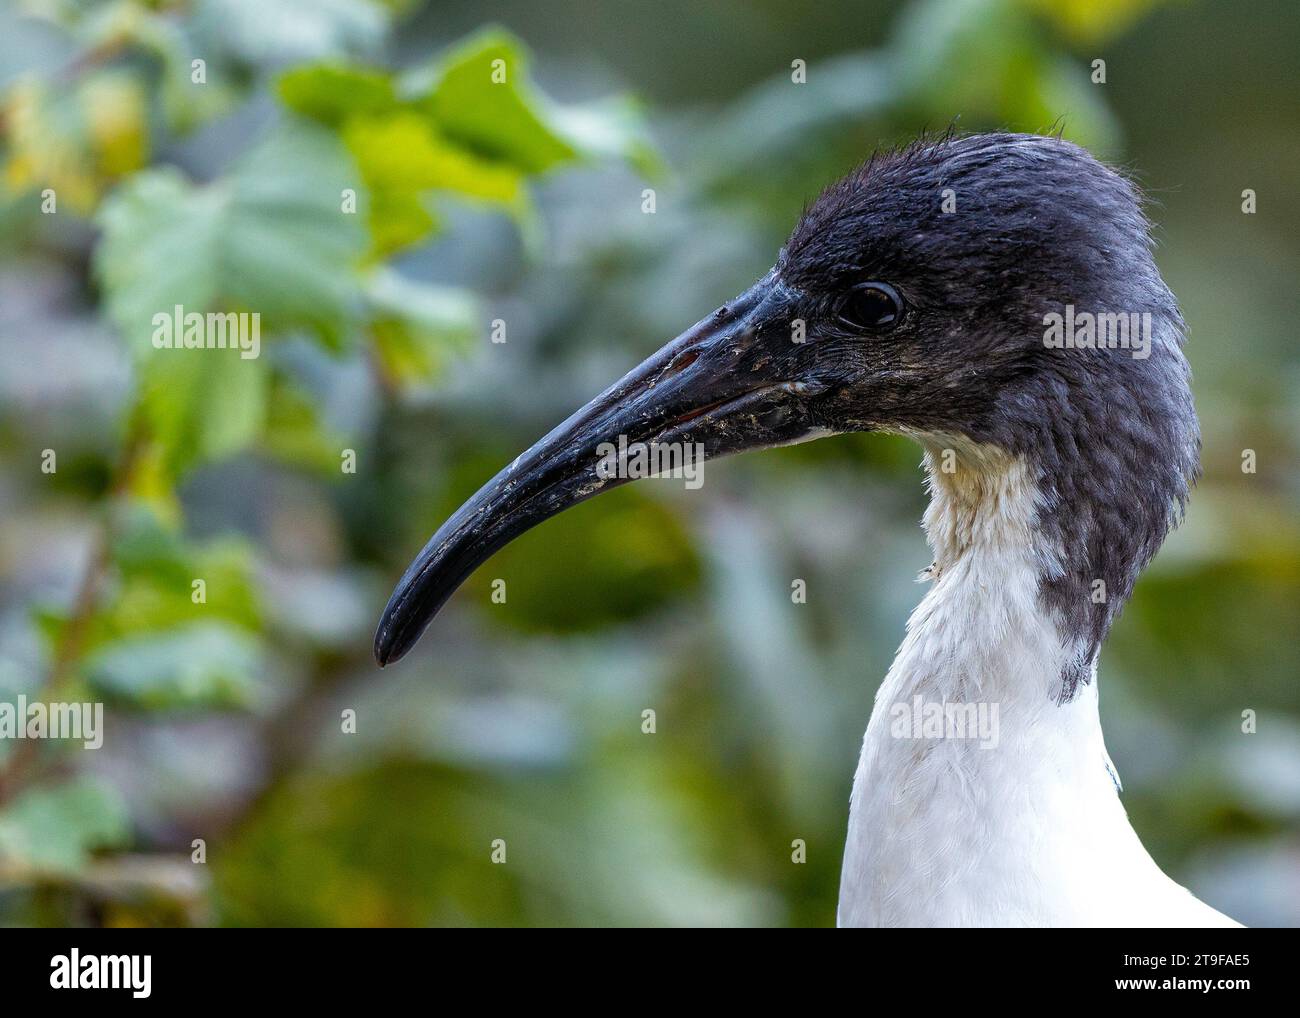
[1018,822]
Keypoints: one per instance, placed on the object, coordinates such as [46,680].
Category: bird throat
[999,559]
[991,557]
[972,711]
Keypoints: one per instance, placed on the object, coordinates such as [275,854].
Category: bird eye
[872,306]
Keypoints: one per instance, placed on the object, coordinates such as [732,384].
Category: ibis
[995,298]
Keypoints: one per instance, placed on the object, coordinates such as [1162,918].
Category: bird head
[916,295]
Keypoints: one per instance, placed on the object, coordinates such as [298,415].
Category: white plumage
[1027,832]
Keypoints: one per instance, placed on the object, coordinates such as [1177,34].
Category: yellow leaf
[402,158]
[1092,20]
[114,109]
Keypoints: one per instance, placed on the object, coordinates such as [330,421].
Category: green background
[475,202]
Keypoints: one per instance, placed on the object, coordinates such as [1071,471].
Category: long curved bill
[715,389]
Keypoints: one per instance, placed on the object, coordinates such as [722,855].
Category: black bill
[725,385]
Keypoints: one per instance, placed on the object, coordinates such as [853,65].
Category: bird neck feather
[938,810]
[983,613]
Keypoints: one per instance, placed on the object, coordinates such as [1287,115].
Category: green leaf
[481,97]
[154,640]
[53,830]
[294,432]
[155,569]
[402,158]
[186,103]
[470,125]
[398,218]
[145,549]
[76,140]
[206,664]
[484,100]
[418,327]
[202,409]
[333,93]
[270,239]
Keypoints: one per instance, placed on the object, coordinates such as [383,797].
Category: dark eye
[872,306]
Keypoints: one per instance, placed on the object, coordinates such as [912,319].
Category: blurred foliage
[52,830]
[270,233]
[380,182]
[445,128]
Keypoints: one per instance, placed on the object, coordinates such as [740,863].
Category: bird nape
[994,297]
